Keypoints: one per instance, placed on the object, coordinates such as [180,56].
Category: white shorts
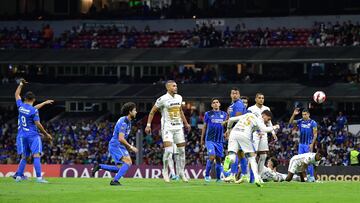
[239,141]
[295,166]
[260,142]
[173,136]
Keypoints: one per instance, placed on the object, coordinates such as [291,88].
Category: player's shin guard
[171,165]
[209,163]
[21,168]
[181,151]
[243,165]
[254,167]
[124,168]
[110,168]
[37,166]
[262,160]
[310,170]
[177,163]
[234,166]
[218,169]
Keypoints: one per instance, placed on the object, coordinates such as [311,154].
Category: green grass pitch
[69,190]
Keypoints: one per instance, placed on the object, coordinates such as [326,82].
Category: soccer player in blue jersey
[30,139]
[236,108]
[19,144]
[214,139]
[308,135]
[119,146]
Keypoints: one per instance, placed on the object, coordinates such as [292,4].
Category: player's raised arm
[39,106]
[296,112]
[19,88]
[123,141]
[183,118]
[150,118]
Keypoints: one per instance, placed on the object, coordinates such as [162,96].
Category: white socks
[262,159]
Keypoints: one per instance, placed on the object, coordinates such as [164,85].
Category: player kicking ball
[119,146]
[241,136]
[299,163]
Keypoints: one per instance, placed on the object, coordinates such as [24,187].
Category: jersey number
[23,121]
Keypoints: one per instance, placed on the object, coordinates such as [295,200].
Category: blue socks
[234,166]
[21,168]
[243,165]
[37,166]
[208,167]
[122,171]
[110,168]
[310,170]
[252,177]
[218,169]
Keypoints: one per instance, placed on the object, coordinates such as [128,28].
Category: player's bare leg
[289,177]
[168,152]
[181,152]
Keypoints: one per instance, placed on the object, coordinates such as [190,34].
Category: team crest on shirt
[221,116]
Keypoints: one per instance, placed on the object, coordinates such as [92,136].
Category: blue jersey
[123,125]
[306,130]
[27,117]
[237,106]
[215,130]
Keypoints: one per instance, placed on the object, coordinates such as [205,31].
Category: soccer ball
[319,97]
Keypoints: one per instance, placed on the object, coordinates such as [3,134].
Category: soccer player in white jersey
[172,119]
[270,172]
[260,138]
[299,163]
[241,136]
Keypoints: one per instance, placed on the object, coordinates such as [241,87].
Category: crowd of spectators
[201,36]
[85,142]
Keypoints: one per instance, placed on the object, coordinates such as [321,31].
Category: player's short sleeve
[159,102]
[122,127]
[18,103]
[313,124]
[239,107]
[36,115]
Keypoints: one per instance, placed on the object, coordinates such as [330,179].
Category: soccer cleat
[184,179]
[41,180]
[115,183]
[22,177]
[258,183]
[95,169]
[219,181]
[166,176]
[207,179]
[174,177]
[311,179]
[230,179]
[18,179]
[227,163]
[243,179]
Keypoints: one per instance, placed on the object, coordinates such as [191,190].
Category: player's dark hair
[127,107]
[274,161]
[321,152]
[258,93]
[267,113]
[29,96]
[244,97]
[235,89]
[215,98]
[169,81]
[306,111]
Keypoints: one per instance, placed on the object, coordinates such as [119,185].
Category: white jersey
[248,123]
[298,162]
[257,111]
[170,108]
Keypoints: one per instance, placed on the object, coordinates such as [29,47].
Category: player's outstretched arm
[150,118]
[19,88]
[39,106]
[125,142]
[41,128]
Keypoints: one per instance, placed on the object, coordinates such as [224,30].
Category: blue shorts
[304,148]
[117,152]
[19,143]
[215,148]
[31,145]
